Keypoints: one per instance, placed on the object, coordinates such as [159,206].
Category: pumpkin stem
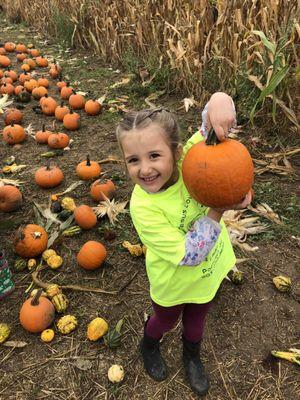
[35,299]
[212,138]
[43,128]
[88,161]
[62,104]
[48,166]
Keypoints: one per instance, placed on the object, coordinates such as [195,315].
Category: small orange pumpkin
[37,313]
[85,217]
[9,47]
[20,47]
[42,136]
[98,188]
[60,85]
[11,74]
[30,241]
[18,89]
[25,67]
[49,176]
[2,51]
[39,92]
[66,91]
[42,81]
[91,255]
[30,84]
[6,79]
[88,170]
[61,111]
[25,76]
[54,72]
[13,134]
[10,198]
[7,88]
[48,105]
[71,121]
[30,62]
[13,115]
[4,61]
[34,52]
[42,61]
[92,107]
[21,57]
[76,101]
[58,140]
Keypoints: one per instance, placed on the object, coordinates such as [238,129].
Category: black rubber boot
[194,369]
[153,362]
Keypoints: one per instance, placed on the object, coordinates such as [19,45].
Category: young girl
[188,248]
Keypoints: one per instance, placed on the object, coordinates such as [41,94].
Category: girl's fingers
[221,132]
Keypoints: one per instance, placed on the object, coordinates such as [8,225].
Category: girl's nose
[145,168]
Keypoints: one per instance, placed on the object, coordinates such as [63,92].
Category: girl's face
[149,158]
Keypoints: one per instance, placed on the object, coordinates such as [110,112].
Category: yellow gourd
[67,324]
[115,373]
[54,261]
[47,335]
[97,328]
[68,204]
[60,302]
[282,283]
[4,332]
[31,263]
[53,289]
[48,253]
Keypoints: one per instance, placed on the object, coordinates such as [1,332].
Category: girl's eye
[132,160]
[154,155]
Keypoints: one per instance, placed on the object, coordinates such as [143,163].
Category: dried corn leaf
[4,103]
[110,208]
[123,82]
[239,228]
[266,211]
[13,182]
[70,188]
[12,169]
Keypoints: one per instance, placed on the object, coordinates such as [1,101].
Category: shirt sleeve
[199,241]
[158,235]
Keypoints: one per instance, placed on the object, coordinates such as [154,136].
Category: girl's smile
[149,158]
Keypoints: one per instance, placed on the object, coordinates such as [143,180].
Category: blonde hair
[142,119]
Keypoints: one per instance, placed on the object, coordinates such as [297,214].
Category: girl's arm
[201,238]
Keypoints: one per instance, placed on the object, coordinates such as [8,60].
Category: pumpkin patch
[76,260]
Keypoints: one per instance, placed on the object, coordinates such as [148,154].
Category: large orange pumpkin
[49,176]
[85,217]
[37,313]
[91,255]
[218,175]
[10,198]
[100,188]
[30,241]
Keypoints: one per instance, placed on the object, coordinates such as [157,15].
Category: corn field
[246,47]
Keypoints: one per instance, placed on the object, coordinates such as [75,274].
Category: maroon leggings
[164,319]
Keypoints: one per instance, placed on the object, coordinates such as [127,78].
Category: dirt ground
[245,324]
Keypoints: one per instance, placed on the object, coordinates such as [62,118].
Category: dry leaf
[14,343]
[4,103]
[123,82]
[188,102]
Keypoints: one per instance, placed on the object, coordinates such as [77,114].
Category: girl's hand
[220,115]
[216,213]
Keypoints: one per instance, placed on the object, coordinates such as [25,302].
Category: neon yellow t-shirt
[161,221]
